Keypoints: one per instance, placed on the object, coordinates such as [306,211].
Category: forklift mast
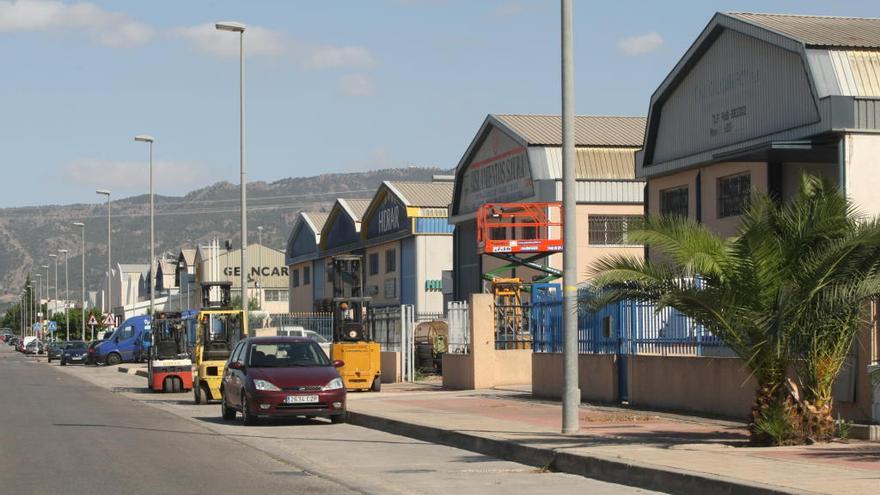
[350,305]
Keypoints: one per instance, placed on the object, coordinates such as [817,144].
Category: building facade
[267,276]
[518,159]
[758,100]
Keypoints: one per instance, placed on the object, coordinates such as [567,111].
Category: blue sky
[332,86]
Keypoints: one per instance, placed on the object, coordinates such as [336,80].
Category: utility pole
[150,139]
[571,395]
[82,227]
[66,297]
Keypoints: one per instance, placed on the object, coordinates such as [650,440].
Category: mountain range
[29,234]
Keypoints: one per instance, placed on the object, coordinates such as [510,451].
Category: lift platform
[521,234]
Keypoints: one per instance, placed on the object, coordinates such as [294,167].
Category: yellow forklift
[352,336]
[218,327]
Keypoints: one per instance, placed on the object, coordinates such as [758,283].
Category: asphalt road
[77,430]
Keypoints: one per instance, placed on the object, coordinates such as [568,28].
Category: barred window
[294,276]
[307,275]
[390,261]
[374,263]
[276,295]
[607,230]
[674,202]
[733,194]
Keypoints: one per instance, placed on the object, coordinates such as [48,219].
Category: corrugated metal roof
[424,194]
[134,267]
[813,30]
[592,163]
[317,219]
[355,207]
[590,130]
[189,256]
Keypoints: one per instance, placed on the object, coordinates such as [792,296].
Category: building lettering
[389,218]
[258,271]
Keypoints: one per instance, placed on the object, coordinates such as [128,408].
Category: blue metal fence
[625,327]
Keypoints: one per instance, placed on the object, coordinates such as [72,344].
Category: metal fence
[386,326]
[513,329]
[625,327]
[321,323]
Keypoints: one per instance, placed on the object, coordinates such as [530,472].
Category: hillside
[28,235]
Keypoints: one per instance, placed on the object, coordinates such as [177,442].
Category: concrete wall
[433,255]
[485,367]
[390,366]
[597,376]
[300,297]
[720,386]
[862,179]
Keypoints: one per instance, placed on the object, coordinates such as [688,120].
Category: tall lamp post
[82,227]
[237,27]
[48,288]
[571,395]
[149,139]
[260,267]
[40,300]
[66,297]
[105,192]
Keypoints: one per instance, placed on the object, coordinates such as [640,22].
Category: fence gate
[459,328]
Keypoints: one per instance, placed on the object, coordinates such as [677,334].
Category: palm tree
[788,290]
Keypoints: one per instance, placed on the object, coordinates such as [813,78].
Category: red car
[269,377]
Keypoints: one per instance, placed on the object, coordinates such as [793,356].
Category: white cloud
[261,41]
[107,28]
[640,45]
[356,85]
[126,175]
[509,9]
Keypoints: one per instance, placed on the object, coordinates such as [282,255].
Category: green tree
[789,290]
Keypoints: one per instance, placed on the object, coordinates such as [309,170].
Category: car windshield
[77,344]
[286,354]
[316,337]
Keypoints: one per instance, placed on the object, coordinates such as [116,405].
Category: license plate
[301,399]
[76,358]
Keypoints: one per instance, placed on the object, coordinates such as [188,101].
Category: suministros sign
[499,172]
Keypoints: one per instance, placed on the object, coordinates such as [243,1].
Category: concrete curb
[612,470]
[132,371]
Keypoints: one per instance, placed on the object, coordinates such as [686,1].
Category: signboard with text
[499,172]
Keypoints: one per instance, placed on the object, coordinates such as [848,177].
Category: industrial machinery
[524,235]
[218,328]
[169,366]
[352,337]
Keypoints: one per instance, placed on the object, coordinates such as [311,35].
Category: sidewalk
[666,452]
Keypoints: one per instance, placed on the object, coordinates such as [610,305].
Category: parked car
[12,341]
[91,351]
[53,350]
[281,377]
[130,342]
[35,346]
[298,331]
[74,351]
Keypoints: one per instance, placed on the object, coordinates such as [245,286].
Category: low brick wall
[458,371]
[597,376]
[714,385]
[512,367]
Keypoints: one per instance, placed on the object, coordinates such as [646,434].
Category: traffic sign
[37,327]
[109,320]
[93,320]
[52,326]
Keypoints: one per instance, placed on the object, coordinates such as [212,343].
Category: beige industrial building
[267,275]
[757,100]
[518,159]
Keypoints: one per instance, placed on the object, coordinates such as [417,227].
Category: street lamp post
[149,139]
[40,300]
[260,268]
[239,28]
[48,288]
[66,297]
[105,192]
[82,227]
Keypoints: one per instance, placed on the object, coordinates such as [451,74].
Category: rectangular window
[390,288]
[374,263]
[390,261]
[674,202]
[329,271]
[276,295]
[733,194]
[295,277]
[610,230]
[307,275]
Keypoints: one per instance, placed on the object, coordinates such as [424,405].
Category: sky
[331,86]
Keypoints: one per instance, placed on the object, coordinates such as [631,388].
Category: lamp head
[236,27]
[144,138]
[78,224]
[105,192]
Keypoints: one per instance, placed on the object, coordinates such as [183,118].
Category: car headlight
[266,386]
[335,384]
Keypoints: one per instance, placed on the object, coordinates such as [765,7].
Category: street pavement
[84,430]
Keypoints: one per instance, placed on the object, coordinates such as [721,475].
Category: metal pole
[83,280]
[260,268]
[49,287]
[109,270]
[571,393]
[152,240]
[244,267]
[66,298]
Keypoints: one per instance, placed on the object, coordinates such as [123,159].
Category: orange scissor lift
[522,235]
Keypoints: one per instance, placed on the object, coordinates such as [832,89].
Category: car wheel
[62,363]
[339,418]
[227,412]
[113,359]
[175,385]
[49,359]
[377,384]
[247,417]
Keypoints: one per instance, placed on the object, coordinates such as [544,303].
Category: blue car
[129,343]
[74,352]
